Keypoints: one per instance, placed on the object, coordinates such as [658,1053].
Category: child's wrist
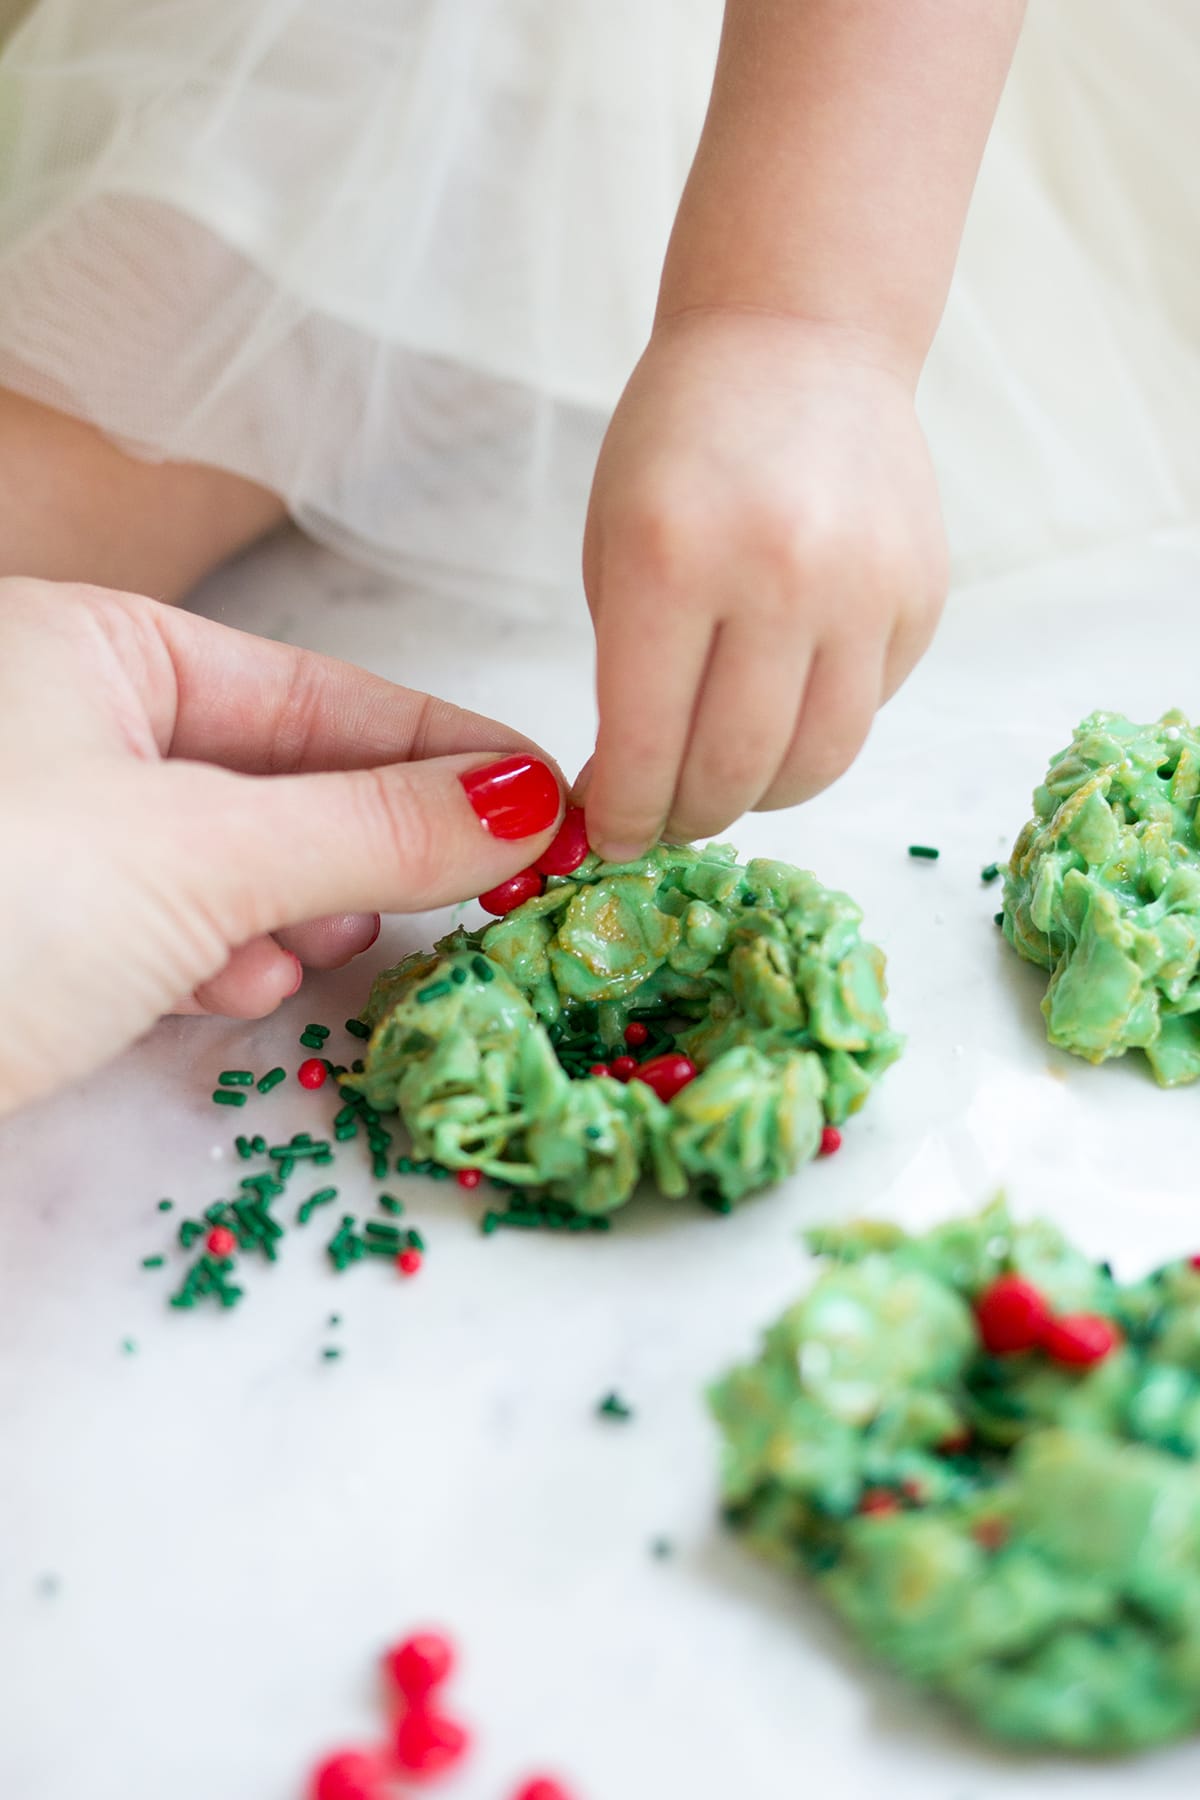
[830,339]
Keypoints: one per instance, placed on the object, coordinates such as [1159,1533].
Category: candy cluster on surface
[777,1028]
[1103,889]
[983,1449]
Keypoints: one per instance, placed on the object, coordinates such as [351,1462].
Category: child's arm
[764,557]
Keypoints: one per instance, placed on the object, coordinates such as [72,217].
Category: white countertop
[236,1527]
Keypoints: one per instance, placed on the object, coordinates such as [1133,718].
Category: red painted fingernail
[513,798]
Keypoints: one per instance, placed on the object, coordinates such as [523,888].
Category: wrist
[791,336]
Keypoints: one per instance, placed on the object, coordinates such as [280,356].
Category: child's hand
[765,563]
[182,806]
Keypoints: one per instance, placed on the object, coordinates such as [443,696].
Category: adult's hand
[188,812]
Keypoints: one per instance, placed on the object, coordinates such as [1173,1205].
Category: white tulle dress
[395,258]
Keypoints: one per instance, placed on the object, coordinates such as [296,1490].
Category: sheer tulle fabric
[395,258]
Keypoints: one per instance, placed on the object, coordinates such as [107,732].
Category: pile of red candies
[425,1741]
[1014,1316]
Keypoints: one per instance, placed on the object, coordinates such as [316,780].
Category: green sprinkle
[243,1147]
[378,1228]
[235,1078]
[439,1172]
[347,1114]
[330,1353]
[165,1205]
[990,873]
[458,976]
[189,1231]
[435,991]
[129,1346]
[998,919]
[153,1262]
[390,1204]
[357,1029]
[344,1132]
[312,1043]
[215,1214]
[228,1097]
[259,1144]
[415,1241]
[613,1407]
[379,1167]
[321,1031]
[357,1066]
[322,1197]
[271,1079]
[924,851]
[335,1319]
[405,1165]
[489,1223]
[592,1131]
[483,968]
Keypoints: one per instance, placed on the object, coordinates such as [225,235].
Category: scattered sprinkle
[613,1407]
[312,1074]
[990,872]
[831,1140]
[228,1097]
[129,1346]
[924,852]
[409,1262]
[165,1205]
[357,1029]
[153,1262]
[271,1079]
[235,1078]
[330,1353]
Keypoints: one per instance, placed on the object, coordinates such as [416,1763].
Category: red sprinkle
[568,847]
[408,1262]
[1195,1261]
[311,1074]
[636,1033]
[469,1178]
[878,1500]
[220,1241]
[954,1443]
[599,1069]
[513,892]
[990,1534]
[426,1743]
[831,1140]
[542,1787]
[348,1775]
[1012,1314]
[623,1067]
[666,1075]
[1079,1338]
[419,1664]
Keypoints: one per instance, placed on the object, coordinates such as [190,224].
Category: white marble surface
[235,1526]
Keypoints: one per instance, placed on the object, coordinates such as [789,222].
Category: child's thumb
[398,839]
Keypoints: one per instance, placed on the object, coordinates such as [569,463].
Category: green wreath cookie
[983,1449]
[757,1007]
[1103,889]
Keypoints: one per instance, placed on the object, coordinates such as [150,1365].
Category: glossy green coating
[760,972]
[1035,1556]
[1103,889]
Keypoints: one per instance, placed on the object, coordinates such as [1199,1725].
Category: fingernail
[375,933]
[514,798]
[620,853]
[295,987]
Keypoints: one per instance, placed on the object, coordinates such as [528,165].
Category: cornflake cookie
[1103,889]
[982,1449]
[756,1009]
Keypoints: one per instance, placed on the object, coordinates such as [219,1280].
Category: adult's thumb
[403,838]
